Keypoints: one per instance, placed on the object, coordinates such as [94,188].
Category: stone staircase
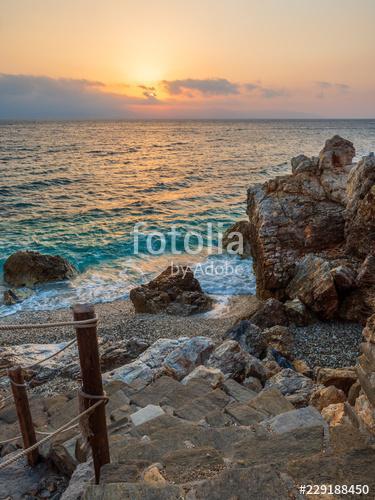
[175,441]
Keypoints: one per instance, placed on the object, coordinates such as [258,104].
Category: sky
[78,59]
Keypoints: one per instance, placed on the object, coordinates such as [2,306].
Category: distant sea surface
[77,189]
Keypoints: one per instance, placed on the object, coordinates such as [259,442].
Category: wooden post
[92,384]
[23,413]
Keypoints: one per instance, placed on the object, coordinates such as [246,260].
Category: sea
[121,200]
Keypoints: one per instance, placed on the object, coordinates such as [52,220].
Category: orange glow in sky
[204,58]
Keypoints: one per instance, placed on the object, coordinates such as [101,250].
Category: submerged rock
[29,268]
[174,291]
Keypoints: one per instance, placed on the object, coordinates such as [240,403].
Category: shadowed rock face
[29,268]
[325,210]
[174,291]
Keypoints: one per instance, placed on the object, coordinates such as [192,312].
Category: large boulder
[27,268]
[235,363]
[314,285]
[360,210]
[297,214]
[194,352]
[294,386]
[174,291]
[249,336]
[270,313]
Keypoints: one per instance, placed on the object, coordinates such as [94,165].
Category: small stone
[294,419]
[253,383]
[302,367]
[326,396]
[296,387]
[146,414]
[281,339]
[334,414]
[152,476]
[212,375]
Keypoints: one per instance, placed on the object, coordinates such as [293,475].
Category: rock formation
[312,231]
[27,268]
[174,291]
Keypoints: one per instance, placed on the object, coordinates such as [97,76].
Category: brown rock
[174,291]
[236,239]
[280,338]
[344,278]
[342,378]
[297,312]
[369,330]
[354,393]
[270,313]
[326,396]
[314,285]
[334,414]
[302,367]
[153,476]
[360,210]
[213,376]
[29,268]
[337,153]
[366,412]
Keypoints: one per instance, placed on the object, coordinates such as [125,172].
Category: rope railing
[91,392]
[50,435]
[33,326]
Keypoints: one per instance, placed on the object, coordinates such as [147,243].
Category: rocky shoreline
[200,404]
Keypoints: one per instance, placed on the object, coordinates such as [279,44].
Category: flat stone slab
[261,483]
[245,414]
[279,448]
[271,402]
[301,418]
[237,391]
[147,413]
[198,408]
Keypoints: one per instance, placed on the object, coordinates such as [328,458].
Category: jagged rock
[326,396]
[359,304]
[297,312]
[120,353]
[253,383]
[302,367]
[289,217]
[174,291]
[236,239]
[214,376]
[334,414]
[354,392]
[342,378]
[234,362]
[281,339]
[180,362]
[369,330]
[344,278]
[314,285]
[81,477]
[153,476]
[271,367]
[366,412]
[146,414]
[27,268]
[270,313]
[335,163]
[294,386]
[249,336]
[360,210]
[304,164]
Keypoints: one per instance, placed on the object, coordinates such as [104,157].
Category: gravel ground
[334,343]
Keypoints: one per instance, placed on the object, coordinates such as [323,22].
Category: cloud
[149,92]
[332,87]
[206,87]
[41,97]
[266,92]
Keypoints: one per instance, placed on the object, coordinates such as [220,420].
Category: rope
[63,428]
[31,326]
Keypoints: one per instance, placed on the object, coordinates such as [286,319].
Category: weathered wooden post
[23,412]
[92,385]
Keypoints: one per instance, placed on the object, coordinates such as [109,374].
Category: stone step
[199,408]
[191,464]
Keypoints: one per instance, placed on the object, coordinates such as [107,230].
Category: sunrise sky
[187,59]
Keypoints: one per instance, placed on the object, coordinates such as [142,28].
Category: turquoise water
[77,189]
